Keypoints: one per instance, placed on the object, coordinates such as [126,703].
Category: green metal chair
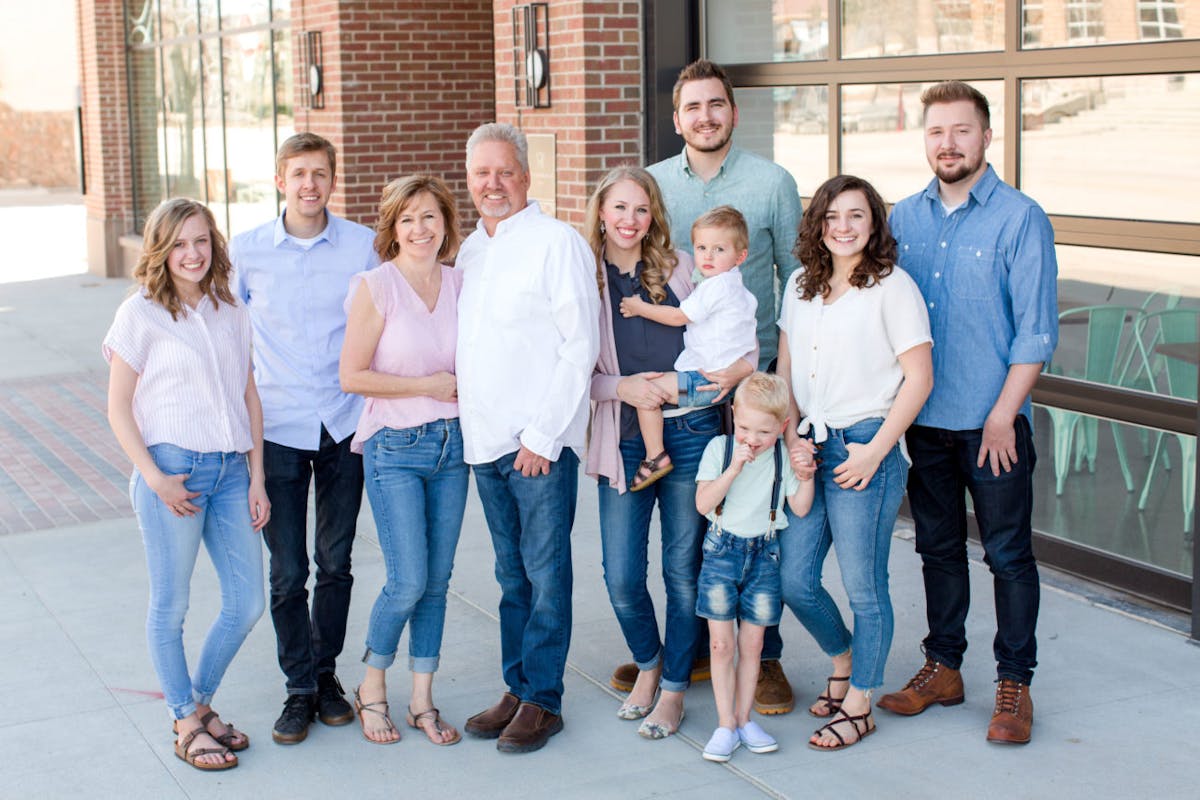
[1177,326]
[1110,344]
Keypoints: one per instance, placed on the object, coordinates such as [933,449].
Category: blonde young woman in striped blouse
[183,406]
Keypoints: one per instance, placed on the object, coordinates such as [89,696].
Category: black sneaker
[332,708]
[292,725]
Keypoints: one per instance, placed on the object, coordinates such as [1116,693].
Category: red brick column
[406,81]
[109,196]
[596,92]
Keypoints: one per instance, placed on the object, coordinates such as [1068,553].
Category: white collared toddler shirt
[721,323]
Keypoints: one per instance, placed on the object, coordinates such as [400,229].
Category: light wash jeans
[859,525]
[416,481]
[172,543]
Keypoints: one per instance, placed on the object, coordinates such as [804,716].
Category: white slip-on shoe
[756,739]
[722,744]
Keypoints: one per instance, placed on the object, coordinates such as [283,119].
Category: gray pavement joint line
[603,687]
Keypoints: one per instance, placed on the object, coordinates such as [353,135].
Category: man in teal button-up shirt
[711,171]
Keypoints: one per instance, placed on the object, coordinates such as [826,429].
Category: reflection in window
[789,125]
[1071,127]
[1085,21]
[745,30]
[1031,23]
[1159,19]
[1069,23]
[872,28]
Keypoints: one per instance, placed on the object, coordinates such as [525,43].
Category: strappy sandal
[189,757]
[229,738]
[865,720]
[650,471]
[362,708]
[414,721]
[832,704]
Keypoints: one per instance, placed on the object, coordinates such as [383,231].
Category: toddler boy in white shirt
[720,321]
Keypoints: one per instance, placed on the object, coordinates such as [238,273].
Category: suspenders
[774,488]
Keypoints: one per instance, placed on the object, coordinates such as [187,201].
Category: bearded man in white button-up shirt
[528,338]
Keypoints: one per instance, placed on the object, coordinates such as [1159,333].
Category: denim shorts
[689,393]
[739,578]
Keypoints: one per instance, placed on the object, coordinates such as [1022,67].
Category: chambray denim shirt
[988,273]
[767,196]
[296,296]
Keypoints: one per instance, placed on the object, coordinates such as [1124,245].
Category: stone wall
[37,148]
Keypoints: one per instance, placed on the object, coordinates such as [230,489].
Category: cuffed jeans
[530,520]
[944,465]
[310,642]
[172,543]
[859,525]
[625,534]
[416,481]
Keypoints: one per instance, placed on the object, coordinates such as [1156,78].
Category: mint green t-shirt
[747,505]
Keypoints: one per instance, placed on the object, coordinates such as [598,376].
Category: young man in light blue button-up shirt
[983,256]
[293,274]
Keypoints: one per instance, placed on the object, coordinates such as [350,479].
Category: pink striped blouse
[192,372]
[415,342]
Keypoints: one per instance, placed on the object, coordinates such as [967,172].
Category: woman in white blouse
[855,347]
[183,406]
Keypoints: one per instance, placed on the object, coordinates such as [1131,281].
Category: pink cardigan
[604,444]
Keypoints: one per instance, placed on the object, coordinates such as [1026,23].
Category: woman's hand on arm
[726,379]
[260,504]
[639,391]
[122,380]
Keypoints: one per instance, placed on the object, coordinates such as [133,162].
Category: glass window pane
[179,18]
[1074,23]
[141,21]
[147,132]
[184,133]
[281,9]
[214,189]
[789,125]
[882,135]
[741,31]
[1115,487]
[873,28]
[1071,128]
[242,13]
[249,129]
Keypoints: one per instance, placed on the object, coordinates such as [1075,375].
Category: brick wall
[596,92]
[37,148]
[406,82]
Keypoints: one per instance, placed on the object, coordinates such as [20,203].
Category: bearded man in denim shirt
[983,256]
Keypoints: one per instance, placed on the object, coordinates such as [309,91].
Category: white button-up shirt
[192,372]
[721,323]
[528,337]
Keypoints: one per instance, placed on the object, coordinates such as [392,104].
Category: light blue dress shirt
[767,196]
[989,276]
[295,295]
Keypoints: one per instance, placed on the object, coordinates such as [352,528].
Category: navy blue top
[642,345]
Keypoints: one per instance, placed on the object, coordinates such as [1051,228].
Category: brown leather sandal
[229,738]
[190,756]
[650,471]
[832,704]
[414,721]
[841,718]
[363,708]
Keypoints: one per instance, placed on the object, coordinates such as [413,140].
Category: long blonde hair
[162,230]
[658,255]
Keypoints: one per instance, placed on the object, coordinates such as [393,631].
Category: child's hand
[803,455]
[742,455]
[632,306]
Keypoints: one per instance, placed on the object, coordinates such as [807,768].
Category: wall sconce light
[531,55]
[313,74]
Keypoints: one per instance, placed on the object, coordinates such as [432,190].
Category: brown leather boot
[1012,719]
[933,683]
[488,724]
[624,676]
[773,694]
[529,730]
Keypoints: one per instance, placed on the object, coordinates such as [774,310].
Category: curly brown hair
[878,257]
[396,197]
[161,233]
[658,255]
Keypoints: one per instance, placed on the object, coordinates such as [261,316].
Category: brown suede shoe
[1012,719]
[490,723]
[624,676]
[529,730]
[933,683]
[773,694]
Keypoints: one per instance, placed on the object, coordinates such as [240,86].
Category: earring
[601,227]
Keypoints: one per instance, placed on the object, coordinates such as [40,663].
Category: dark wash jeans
[309,643]
[943,467]
[530,520]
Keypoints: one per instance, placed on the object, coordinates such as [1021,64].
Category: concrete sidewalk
[1117,697]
